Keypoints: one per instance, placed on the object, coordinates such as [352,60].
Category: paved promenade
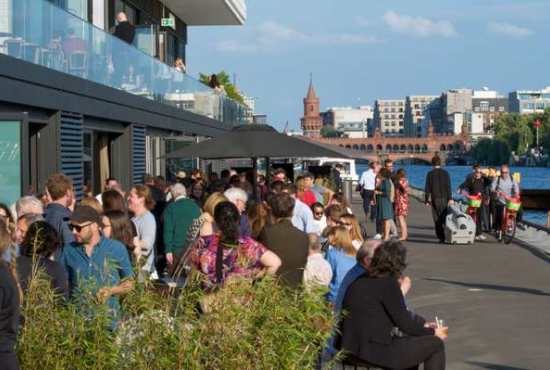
[495,298]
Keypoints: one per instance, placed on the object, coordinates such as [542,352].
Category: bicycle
[474,202]
[508,228]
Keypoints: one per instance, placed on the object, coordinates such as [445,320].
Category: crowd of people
[220,229]
[385,194]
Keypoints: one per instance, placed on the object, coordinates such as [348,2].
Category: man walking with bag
[438,194]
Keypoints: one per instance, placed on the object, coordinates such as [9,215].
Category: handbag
[359,187]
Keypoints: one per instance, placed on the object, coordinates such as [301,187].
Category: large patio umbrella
[257,141]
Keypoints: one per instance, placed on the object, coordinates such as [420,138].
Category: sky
[362,50]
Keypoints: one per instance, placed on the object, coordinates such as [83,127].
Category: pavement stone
[494,297]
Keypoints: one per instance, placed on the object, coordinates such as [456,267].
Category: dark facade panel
[70,149]
[138,152]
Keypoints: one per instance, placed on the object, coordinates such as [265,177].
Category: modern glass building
[76,99]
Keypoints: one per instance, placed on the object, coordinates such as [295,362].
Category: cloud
[270,35]
[508,29]
[418,26]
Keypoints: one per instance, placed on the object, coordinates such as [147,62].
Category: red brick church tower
[312,122]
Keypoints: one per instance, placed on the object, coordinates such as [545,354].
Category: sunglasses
[318,213]
[78,228]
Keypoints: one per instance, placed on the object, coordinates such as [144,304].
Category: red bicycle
[508,228]
[474,202]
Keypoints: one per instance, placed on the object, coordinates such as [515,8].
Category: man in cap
[94,259]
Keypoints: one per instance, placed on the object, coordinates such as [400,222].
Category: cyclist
[506,185]
[474,186]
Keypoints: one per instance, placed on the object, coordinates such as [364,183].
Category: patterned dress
[401,202]
[241,259]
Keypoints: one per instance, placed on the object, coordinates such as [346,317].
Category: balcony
[51,37]
[209,12]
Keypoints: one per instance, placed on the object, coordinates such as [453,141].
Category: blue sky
[361,50]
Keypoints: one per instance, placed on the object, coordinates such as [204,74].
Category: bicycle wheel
[509,229]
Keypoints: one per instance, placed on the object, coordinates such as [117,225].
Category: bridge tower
[312,122]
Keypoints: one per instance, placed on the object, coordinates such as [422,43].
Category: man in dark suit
[438,194]
[286,241]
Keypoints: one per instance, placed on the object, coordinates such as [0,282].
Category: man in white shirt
[110,184]
[368,184]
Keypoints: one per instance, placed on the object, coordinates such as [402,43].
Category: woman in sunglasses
[341,257]
[351,223]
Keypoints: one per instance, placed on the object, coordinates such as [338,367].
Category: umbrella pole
[255,178]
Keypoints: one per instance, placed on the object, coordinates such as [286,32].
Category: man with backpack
[507,185]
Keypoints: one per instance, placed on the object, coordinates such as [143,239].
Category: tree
[329,132]
[224,80]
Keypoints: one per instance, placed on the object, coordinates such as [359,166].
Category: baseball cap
[85,214]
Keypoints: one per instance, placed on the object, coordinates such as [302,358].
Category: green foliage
[224,80]
[260,326]
[513,133]
[329,132]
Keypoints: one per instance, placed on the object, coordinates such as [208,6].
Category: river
[531,178]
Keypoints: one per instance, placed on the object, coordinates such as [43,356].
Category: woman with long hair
[375,305]
[384,207]
[40,243]
[341,201]
[224,255]
[341,257]
[205,224]
[304,194]
[401,203]
[258,218]
[6,216]
[197,192]
[116,225]
[351,223]
[9,303]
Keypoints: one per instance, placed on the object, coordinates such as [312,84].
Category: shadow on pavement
[485,365]
[501,288]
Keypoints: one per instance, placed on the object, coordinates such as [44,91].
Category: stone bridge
[402,148]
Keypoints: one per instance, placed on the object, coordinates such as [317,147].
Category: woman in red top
[304,194]
[401,202]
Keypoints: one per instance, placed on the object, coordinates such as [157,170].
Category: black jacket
[438,186]
[375,306]
[125,31]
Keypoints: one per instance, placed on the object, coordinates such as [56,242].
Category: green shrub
[259,326]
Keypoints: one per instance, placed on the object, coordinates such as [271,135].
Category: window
[492,109]
[540,106]
[484,106]
[393,116]
[401,116]
[529,106]
[476,109]
[393,110]
[501,109]
[393,123]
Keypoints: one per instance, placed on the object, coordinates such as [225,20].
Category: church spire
[311,90]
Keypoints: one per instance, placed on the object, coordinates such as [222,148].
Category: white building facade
[351,122]
[529,101]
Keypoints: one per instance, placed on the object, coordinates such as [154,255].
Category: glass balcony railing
[41,33]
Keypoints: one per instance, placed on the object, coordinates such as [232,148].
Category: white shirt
[317,271]
[368,180]
[320,224]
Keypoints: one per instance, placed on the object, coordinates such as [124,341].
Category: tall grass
[259,326]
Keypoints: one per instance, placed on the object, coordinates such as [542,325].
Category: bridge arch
[388,148]
[424,148]
[363,147]
[379,148]
[417,148]
[450,147]
[341,145]
[348,146]
[458,146]
[403,148]
[370,148]
[442,148]
[410,148]
[395,148]
[355,146]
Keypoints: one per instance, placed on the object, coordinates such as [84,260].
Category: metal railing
[47,35]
